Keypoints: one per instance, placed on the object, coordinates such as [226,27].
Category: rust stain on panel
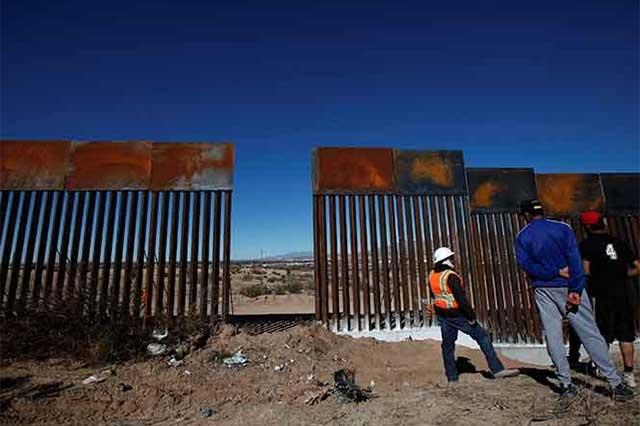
[434,169]
[353,169]
[430,172]
[484,195]
[192,166]
[569,194]
[500,190]
[109,166]
[33,164]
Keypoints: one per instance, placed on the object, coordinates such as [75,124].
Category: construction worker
[608,264]
[546,250]
[454,313]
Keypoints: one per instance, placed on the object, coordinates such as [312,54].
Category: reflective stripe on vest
[441,291]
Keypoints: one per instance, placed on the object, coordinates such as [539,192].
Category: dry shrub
[254,290]
[293,287]
[63,328]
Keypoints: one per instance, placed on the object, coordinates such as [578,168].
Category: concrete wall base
[530,353]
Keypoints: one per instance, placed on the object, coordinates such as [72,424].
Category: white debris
[236,360]
[156,349]
[160,334]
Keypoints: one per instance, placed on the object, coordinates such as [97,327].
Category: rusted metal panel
[402,259]
[400,304]
[109,166]
[173,253]
[411,252]
[132,218]
[352,170]
[27,265]
[12,215]
[364,258]
[344,263]
[215,266]
[334,261]
[569,194]
[195,247]
[75,243]
[316,260]
[53,241]
[384,260]
[622,192]
[500,190]
[64,245]
[184,238]
[94,277]
[192,166]
[40,256]
[18,250]
[323,267]
[354,260]
[142,234]
[226,256]
[206,259]
[86,242]
[422,277]
[36,165]
[430,172]
[377,305]
[108,253]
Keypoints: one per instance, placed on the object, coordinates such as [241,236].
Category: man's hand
[573,298]
[430,310]
[473,322]
[573,302]
[564,273]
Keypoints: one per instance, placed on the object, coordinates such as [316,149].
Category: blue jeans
[449,326]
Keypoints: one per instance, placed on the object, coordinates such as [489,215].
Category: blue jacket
[543,247]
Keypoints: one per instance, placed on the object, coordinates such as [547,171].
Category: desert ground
[288,380]
[265,288]
[288,377]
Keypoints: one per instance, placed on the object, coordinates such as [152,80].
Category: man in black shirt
[609,264]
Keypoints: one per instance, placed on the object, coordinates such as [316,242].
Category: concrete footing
[530,353]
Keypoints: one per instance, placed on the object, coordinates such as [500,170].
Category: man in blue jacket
[547,251]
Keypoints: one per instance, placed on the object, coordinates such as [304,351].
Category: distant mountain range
[295,255]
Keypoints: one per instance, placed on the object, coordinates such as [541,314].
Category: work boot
[622,392]
[568,392]
[629,379]
[502,374]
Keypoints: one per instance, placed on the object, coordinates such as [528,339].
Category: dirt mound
[285,380]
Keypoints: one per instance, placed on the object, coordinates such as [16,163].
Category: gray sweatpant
[551,303]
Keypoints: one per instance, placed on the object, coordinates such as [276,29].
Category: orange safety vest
[440,289]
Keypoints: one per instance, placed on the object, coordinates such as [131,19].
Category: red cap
[590,218]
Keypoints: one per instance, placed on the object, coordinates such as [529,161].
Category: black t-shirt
[609,259]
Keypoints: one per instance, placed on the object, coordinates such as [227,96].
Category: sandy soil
[273,278]
[274,304]
[406,379]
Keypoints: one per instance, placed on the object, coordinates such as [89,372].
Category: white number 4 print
[611,252]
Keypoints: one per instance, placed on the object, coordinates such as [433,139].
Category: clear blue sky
[548,84]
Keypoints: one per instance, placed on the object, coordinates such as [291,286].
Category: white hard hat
[443,253]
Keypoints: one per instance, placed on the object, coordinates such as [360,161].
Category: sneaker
[629,379]
[595,372]
[568,392]
[506,373]
[576,365]
[621,392]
